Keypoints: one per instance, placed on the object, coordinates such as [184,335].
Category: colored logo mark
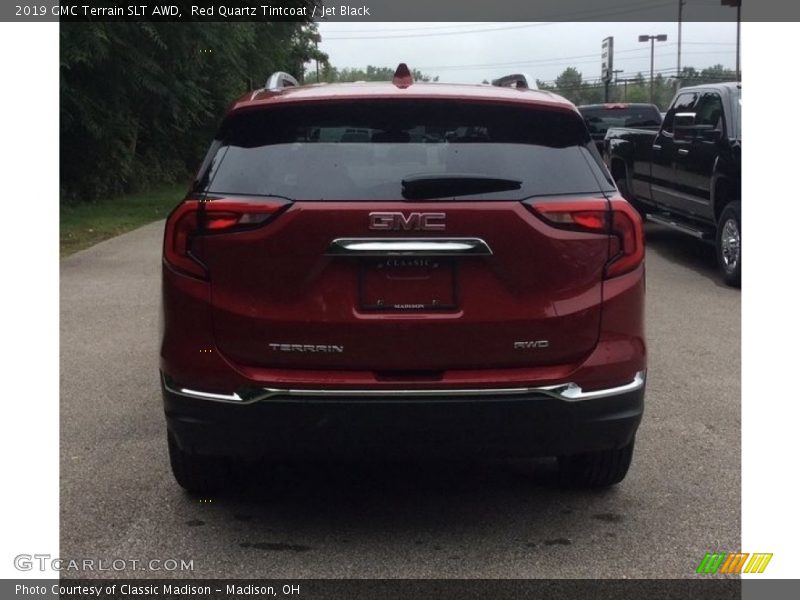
[733,563]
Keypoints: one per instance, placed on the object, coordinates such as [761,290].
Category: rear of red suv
[421,269]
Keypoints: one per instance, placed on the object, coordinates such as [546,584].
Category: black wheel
[195,473]
[729,244]
[595,469]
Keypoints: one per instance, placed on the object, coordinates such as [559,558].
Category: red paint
[566,270]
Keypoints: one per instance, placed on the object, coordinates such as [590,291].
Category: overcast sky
[472,52]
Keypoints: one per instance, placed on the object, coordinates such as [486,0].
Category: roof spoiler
[520,81]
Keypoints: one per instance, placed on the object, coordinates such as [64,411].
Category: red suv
[402,268]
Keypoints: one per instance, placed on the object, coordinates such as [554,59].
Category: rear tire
[595,469]
[195,473]
[729,244]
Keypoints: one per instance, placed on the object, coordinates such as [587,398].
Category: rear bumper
[518,421]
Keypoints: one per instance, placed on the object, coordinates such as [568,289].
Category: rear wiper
[425,186]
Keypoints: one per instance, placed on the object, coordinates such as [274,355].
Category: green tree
[571,85]
[372,73]
[140,101]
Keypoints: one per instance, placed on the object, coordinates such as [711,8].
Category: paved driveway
[507,519]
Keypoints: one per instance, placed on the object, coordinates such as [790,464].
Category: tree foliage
[140,101]
[571,85]
[331,74]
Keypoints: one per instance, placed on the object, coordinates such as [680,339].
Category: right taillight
[188,222]
[615,217]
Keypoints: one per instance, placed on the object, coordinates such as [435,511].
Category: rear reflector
[621,222]
[185,226]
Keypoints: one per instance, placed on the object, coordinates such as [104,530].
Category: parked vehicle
[402,268]
[687,175]
[601,117]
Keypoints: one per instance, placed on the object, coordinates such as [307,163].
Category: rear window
[365,150]
[600,119]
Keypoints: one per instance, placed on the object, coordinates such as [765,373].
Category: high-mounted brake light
[621,222]
[402,76]
[219,216]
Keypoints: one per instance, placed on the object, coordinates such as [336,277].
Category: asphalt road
[495,520]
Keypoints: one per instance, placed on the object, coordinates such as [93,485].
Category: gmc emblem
[396,221]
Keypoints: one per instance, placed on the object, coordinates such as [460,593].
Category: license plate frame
[409,276]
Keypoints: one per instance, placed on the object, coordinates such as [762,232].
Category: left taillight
[615,217]
[187,223]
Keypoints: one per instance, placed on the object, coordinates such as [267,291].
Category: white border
[770,297]
[29,425]
[29,266]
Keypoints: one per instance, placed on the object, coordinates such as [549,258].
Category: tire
[195,473]
[595,469]
[729,244]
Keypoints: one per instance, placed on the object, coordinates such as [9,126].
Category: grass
[84,225]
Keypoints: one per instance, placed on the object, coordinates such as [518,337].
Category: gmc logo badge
[396,221]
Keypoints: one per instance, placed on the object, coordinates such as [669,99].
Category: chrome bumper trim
[408,247]
[569,392]
[208,395]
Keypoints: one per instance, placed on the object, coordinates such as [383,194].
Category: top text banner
[404,10]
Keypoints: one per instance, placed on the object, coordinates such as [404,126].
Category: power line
[664,72]
[377,30]
[566,60]
[525,62]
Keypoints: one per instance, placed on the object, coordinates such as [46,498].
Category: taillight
[218,216]
[617,219]
[589,215]
[626,226]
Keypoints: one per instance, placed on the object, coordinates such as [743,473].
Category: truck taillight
[615,217]
[184,227]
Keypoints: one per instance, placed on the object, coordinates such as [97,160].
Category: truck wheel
[595,469]
[195,473]
[729,244]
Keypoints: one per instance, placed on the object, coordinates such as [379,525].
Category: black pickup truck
[687,175]
[602,117]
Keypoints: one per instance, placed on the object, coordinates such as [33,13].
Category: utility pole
[680,39]
[738,5]
[316,47]
[652,39]
[738,37]
[616,81]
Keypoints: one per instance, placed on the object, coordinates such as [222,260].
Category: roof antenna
[402,76]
